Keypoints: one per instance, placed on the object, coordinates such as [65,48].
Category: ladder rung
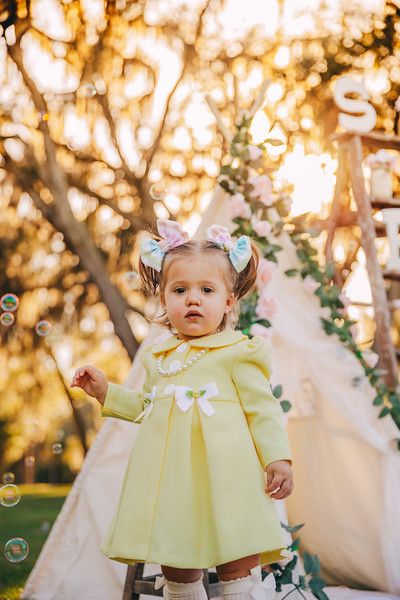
[391,203]
[394,275]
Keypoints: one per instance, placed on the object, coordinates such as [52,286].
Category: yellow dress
[193,491]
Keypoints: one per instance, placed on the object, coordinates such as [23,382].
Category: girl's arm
[251,373]
[116,401]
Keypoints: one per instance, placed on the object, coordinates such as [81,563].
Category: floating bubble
[132,280]
[57,448]
[7,319]
[10,495]
[29,461]
[9,302]
[43,328]
[45,526]
[60,434]
[16,550]
[8,477]
[157,191]
[90,90]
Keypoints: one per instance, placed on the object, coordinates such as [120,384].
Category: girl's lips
[193,316]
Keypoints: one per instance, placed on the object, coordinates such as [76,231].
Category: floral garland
[246,179]
[251,194]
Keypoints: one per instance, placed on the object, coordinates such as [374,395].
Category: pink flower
[343,297]
[264,273]
[371,358]
[262,189]
[238,207]
[221,236]
[310,284]
[257,329]
[265,307]
[262,228]
[254,152]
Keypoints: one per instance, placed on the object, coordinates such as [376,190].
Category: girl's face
[196,296]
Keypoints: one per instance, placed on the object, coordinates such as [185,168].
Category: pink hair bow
[239,251]
[153,252]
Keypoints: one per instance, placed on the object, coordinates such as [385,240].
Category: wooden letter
[367,115]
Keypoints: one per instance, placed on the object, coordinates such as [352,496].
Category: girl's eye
[207,290]
[179,290]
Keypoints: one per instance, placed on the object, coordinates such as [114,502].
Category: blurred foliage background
[103,128]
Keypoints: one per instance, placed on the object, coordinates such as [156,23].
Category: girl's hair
[241,284]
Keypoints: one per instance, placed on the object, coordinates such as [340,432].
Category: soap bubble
[132,280]
[90,90]
[57,448]
[9,302]
[43,328]
[16,550]
[10,495]
[157,191]
[7,319]
[45,526]
[8,477]
[29,461]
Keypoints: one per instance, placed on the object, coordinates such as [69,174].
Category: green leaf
[385,411]
[316,584]
[311,563]
[321,595]
[327,325]
[293,529]
[295,545]
[286,406]
[291,272]
[378,400]
[263,322]
[277,391]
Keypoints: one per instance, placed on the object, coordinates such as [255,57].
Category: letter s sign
[363,116]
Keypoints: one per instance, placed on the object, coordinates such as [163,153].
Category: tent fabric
[347,473]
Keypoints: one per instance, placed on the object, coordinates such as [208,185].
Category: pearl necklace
[178,369]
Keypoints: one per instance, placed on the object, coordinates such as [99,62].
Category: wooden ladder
[350,175]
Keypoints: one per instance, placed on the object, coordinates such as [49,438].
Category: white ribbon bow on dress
[149,400]
[185,397]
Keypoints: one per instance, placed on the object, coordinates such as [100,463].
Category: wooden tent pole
[385,347]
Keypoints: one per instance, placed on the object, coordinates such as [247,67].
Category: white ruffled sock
[175,590]
[251,587]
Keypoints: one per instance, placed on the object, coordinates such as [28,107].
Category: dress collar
[215,340]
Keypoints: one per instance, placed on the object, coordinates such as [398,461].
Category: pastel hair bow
[239,251]
[153,252]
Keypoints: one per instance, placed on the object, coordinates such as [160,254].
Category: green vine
[245,162]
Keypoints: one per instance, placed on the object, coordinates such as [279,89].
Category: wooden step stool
[136,583]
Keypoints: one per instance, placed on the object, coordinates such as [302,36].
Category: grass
[40,503]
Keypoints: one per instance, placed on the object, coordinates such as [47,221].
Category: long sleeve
[125,404]
[251,372]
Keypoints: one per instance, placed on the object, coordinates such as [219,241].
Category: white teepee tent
[347,475]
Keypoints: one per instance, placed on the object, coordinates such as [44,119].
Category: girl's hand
[279,479]
[92,381]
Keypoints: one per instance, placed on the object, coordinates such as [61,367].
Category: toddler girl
[212,453]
